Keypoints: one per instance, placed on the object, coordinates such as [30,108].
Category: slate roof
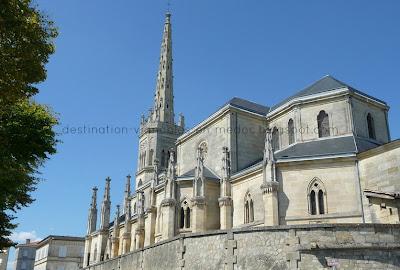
[121,220]
[325,84]
[207,173]
[248,106]
[331,146]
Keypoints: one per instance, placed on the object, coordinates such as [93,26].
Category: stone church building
[321,156]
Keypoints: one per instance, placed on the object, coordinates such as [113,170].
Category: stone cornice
[225,201]
[151,209]
[269,187]
[168,202]
[199,200]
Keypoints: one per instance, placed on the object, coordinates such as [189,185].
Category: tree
[27,138]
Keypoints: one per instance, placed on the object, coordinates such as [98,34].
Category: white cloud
[20,237]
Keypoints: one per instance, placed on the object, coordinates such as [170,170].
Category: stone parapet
[317,246]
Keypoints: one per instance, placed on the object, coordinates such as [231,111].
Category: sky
[103,74]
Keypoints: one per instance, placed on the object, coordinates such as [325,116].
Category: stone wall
[344,246]
[339,179]
[305,120]
[379,170]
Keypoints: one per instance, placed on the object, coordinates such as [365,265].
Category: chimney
[28,241]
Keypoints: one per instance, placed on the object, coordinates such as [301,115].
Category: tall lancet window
[291,131]
[323,124]
[317,201]
[371,126]
[248,209]
[275,139]
[184,221]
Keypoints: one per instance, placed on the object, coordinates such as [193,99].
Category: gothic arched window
[317,197]
[182,218]
[188,217]
[371,126]
[323,124]
[275,139]
[248,209]
[291,131]
[321,202]
[203,149]
[139,183]
[184,215]
[313,204]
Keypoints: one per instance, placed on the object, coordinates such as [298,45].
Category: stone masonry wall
[322,246]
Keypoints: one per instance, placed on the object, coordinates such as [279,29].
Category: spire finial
[168,8]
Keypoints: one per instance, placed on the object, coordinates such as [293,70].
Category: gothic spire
[105,206]
[127,191]
[170,179]
[163,110]
[92,218]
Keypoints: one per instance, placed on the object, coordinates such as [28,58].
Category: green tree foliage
[27,137]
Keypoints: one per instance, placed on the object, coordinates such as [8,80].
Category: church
[321,156]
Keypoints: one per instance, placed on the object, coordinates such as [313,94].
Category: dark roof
[365,144]
[248,106]
[207,173]
[329,146]
[325,84]
[121,219]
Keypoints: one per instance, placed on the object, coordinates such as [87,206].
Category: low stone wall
[325,246]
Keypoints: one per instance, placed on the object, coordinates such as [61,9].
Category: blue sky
[103,74]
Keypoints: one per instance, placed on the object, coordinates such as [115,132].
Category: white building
[4,258]
[59,253]
[25,255]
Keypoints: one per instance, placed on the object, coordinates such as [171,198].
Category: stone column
[103,236]
[198,214]
[225,200]
[168,212]
[150,225]
[87,251]
[225,205]
[139,241]
[126,242]
[115,236]
[270,198]
[114,246]
[139,232]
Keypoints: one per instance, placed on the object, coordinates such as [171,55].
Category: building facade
[4,258]
[25,255]
[321,156]
[59,253]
